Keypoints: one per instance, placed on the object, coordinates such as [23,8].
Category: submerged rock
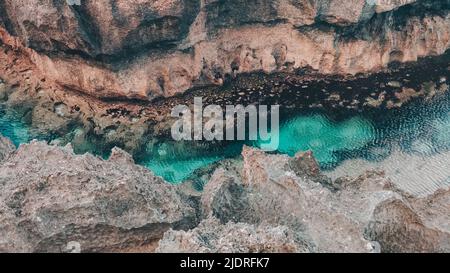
[54,201]
[394,84]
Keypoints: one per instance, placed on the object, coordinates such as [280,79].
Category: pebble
[395,84]
[60,109]
[334,97]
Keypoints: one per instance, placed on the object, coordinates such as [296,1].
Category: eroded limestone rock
[272,192]
[54,201]
[210,236]
[416,225]
[186,43]
[6,148]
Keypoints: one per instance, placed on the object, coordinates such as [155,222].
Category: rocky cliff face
[148,49]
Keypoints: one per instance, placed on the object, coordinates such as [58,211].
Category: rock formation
[420,225]
[273,192]
[363,214]
[54,201]
[159,48]
[92,74]
[213,237]
[6,148]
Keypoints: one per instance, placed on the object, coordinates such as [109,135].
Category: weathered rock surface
[271,193]
[6,147]
[107,27]
[54,201]
[420,225]
[213,237]
[158,48]
[364,214]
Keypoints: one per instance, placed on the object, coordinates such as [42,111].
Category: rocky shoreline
[104,76]
[94,125]
[55,201]
[68,90]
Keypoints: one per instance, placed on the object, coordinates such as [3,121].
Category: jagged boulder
[368,213]
[54,201]
[416,225]
[213,237]
[276,190]
[6,147]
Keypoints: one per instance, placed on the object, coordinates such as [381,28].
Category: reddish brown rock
[187,43]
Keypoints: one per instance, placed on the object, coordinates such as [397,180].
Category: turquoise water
[177,161]
[13,128]
[314,132]
[324,137]
[421,128]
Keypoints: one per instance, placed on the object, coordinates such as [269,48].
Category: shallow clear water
[12,128]
[324,137]
[422,129]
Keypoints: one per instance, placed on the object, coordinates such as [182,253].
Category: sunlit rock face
[106,27]
[98,27]
[147,49]
[364,214]
[55,201]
